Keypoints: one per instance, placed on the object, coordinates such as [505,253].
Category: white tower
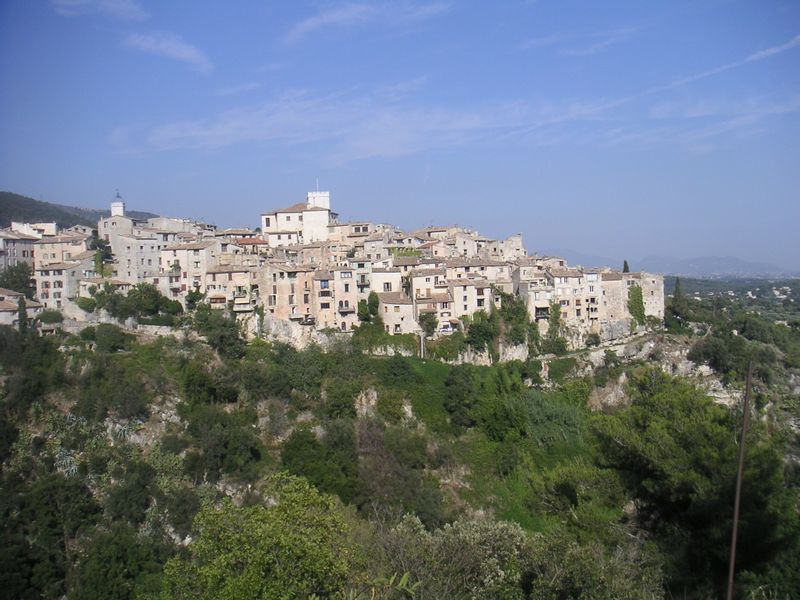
[319,199]
[118,206]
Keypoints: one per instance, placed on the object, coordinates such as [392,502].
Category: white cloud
[354,14]
[601,41]
[238,89]
[342,127]
[127,10]
[170,46]
[383,122]
[543,41]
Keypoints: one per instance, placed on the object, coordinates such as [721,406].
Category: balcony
[325,294]
[346,309]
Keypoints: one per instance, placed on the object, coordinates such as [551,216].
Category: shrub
[560,368]
[50,317]
[86,304]
[111,338]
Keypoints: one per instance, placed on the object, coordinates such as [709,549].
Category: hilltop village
[303,269]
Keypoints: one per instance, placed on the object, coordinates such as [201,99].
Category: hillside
[15,207]
[143,468]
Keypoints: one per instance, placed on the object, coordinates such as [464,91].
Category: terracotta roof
[251,242]
[229,269]
[16,235]
[189,246]
[427,271]
[63,238]
[403,261]
[611,276]
[474,262]
[295,208]
[57,266]
[5,292]
[565,272]
[394,298]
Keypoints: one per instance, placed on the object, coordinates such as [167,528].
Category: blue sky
[611,128]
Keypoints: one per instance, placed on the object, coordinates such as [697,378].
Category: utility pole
[739,475]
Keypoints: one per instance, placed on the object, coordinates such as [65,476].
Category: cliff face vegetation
[208,467]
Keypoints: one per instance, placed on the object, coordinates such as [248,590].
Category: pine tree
[625,267]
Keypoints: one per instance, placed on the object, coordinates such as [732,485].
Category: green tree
[429,322]
[19,278]
[625,267]
[22,316]
[373,302]
[636,304]
[476,558]
[291,547]
[364,314]
[677,454]
[193,298]
[119,564]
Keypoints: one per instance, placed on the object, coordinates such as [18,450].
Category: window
[325,305]
[346,287]
[387,287]
[266,222]
[288,218]
[397,308]
[323,284]
[305,298]
[347,275]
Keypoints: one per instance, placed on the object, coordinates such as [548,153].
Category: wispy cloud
[234,90]
[598,108]
[543,41]
[170,46]
[342,126]
[383,121]
[127,10]
[349,15]
[601,41]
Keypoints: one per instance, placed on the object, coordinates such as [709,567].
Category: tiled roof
[296,208]
[190,246]
[394,298]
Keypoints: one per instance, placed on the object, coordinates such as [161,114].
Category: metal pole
[745,419]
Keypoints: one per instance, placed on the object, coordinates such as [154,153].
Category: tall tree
[22,312]
[625,267]
[18,277]
[292,547]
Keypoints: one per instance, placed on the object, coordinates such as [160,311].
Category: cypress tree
[22,312]
[625,267]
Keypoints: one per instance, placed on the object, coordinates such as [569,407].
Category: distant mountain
[14,207]
[580,258]
[713,267]
[703,267]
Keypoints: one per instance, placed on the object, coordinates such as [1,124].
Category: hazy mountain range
[702,266]
[15,207]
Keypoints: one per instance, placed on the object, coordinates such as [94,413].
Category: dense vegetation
[216,468]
